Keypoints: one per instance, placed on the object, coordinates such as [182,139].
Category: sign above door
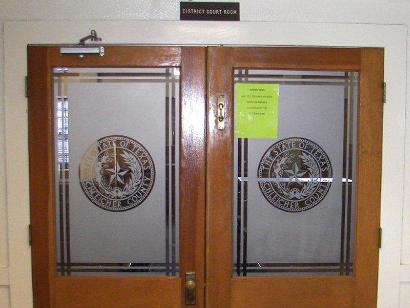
[214,11]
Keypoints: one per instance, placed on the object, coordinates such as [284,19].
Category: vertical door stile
[219,174]
[369,176]
[192,162]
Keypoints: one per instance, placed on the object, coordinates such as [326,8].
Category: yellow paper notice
[257,110]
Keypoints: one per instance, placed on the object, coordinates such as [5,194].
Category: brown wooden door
[289,185]
[117,168]
[293,215]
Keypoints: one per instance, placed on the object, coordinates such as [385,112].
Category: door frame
[390,37]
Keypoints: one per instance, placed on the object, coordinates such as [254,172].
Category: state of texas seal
[117,173]
[294,174]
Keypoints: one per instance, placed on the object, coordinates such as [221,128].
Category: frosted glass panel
[116,162]
[294,195]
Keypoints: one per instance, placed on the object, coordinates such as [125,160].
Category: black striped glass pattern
[277,228]
[142,104]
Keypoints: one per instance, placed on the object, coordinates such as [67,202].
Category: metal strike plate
[220,119]
[190,288]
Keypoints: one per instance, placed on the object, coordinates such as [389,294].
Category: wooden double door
[205,176]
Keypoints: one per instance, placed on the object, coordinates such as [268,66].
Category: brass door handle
[190,288]
[190,284]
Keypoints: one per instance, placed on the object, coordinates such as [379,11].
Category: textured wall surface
[342,11]
[327,11]
[4,297]
[404,295]
[4,292]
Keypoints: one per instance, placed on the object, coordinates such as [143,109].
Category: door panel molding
[346,59]
[257,292]
[151,292]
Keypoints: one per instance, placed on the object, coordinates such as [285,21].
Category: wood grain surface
[118,291]
[357,291]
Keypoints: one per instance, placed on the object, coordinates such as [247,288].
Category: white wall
[4,279]
[341,11]
[328,11]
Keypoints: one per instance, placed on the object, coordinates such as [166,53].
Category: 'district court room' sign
[217,11]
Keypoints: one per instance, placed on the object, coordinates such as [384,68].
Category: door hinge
[384,92]
[30,235]
[26,86]
[380,237]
